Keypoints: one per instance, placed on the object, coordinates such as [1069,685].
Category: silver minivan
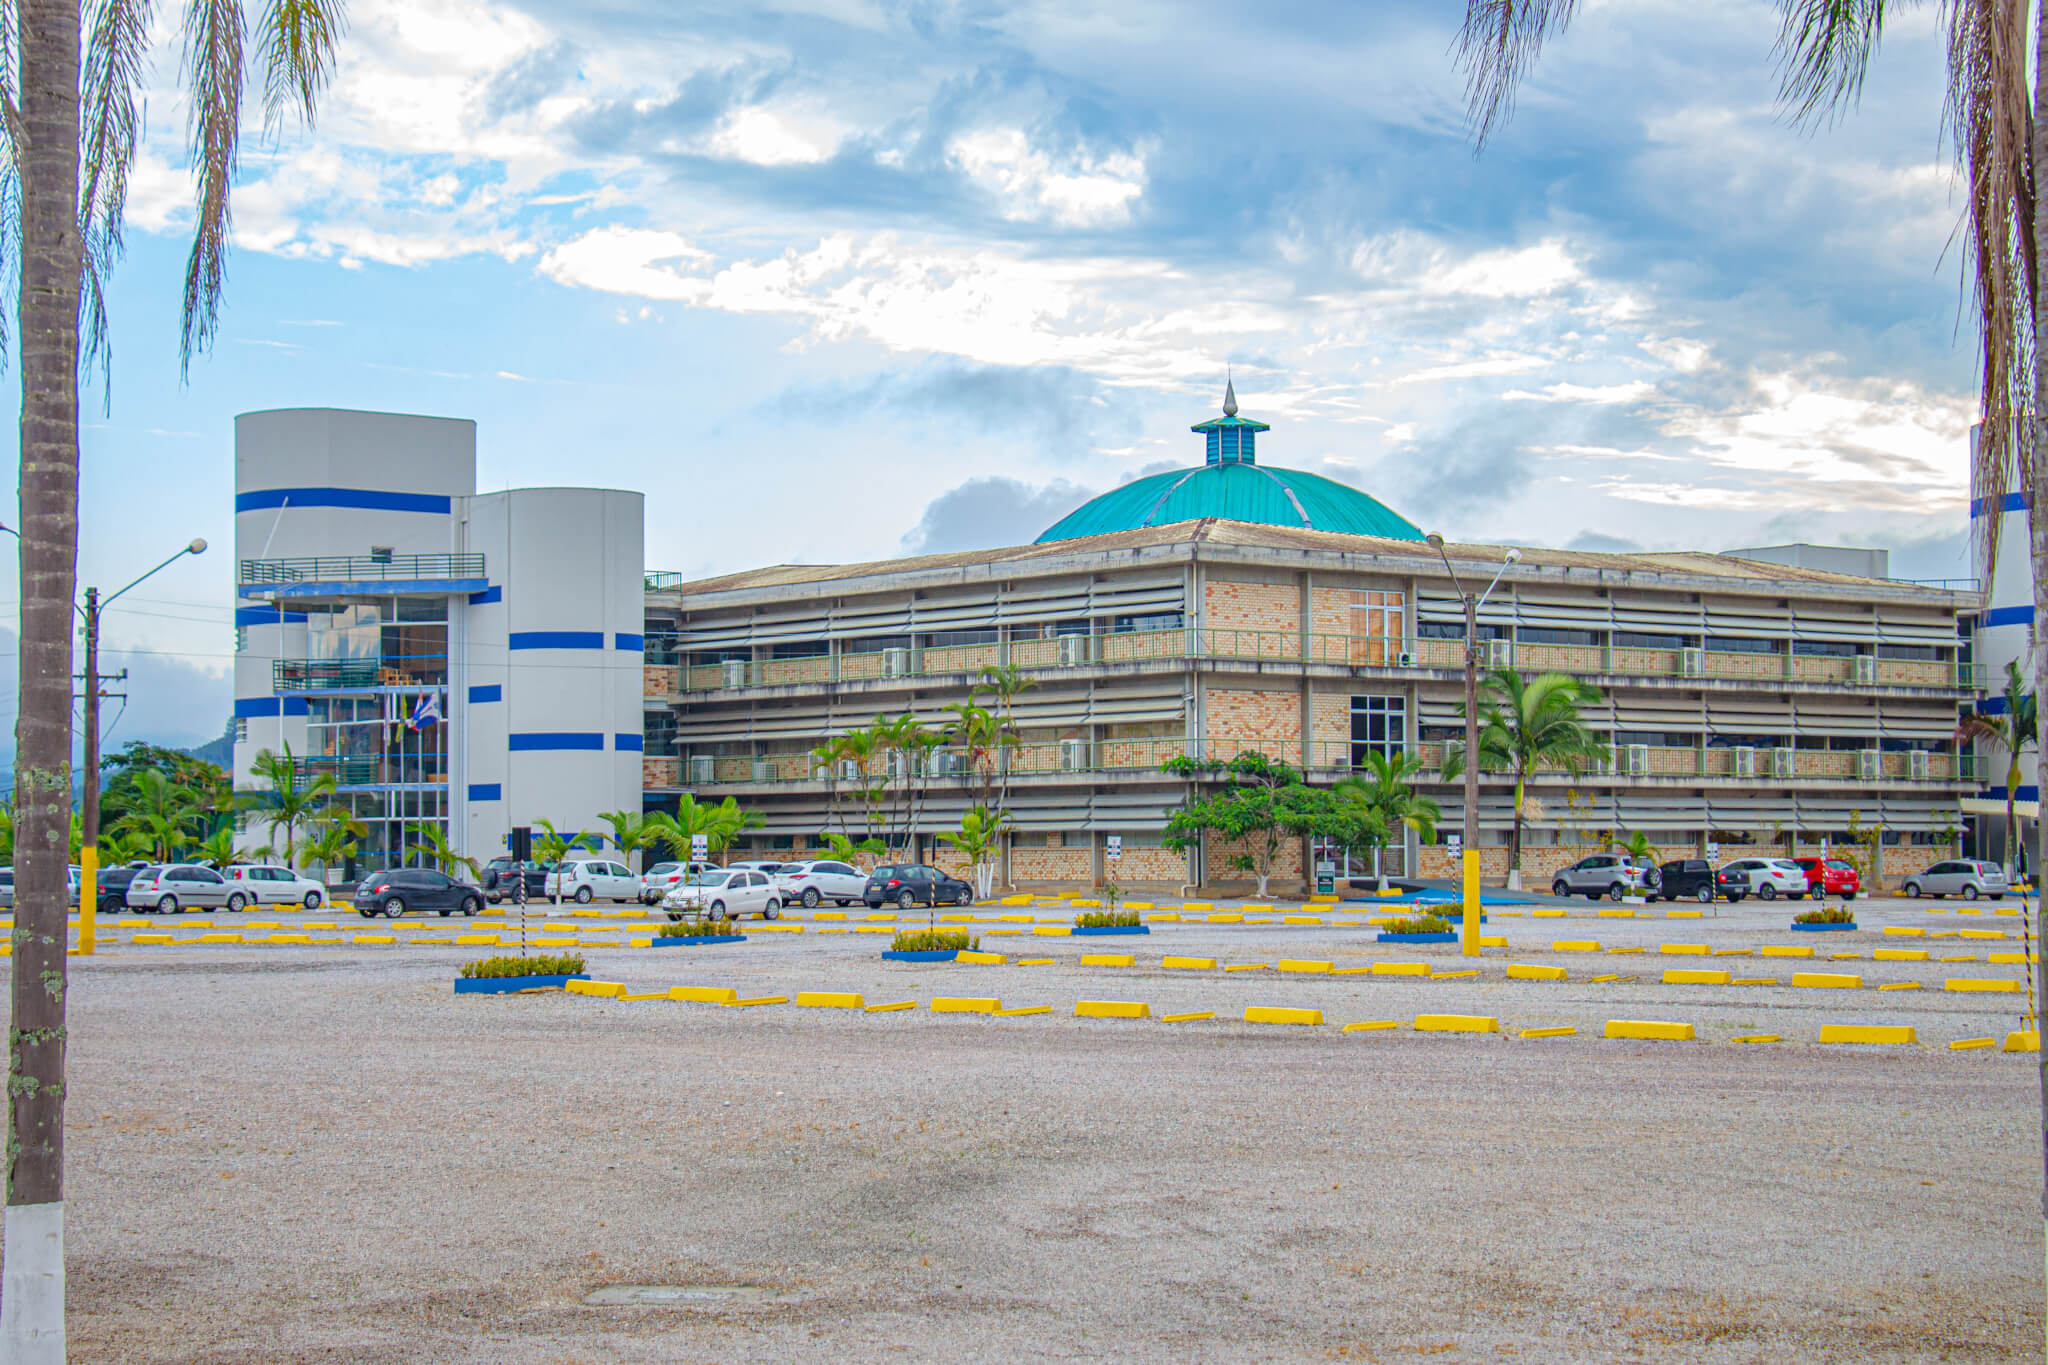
[1965,877]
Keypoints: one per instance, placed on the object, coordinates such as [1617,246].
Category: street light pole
[1469,879]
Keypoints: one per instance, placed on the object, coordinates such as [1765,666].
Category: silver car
[177,887]
[1965,877]
[1613,875]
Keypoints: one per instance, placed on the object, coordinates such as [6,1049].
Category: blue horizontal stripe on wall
[556,639]
[487,596]
[543,740]
[487,692]
[2014,502]
[267,616]
[485,791]
[628,743]
[2027,793]
[1991,706]
[363,499]
[293,706]
[634,643]
[2007,616]
[255,708]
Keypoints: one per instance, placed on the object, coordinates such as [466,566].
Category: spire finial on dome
[1229,395]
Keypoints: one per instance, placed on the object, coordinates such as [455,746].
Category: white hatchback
[267,884]
[584,880]
[813,883]
[730,894]
[1769,878]
[662,878]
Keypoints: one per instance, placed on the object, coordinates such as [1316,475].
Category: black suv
[1691,878]
[113,882]
[400,889]
[497,880]
[906,884]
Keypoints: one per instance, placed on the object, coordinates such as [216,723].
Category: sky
[839,281]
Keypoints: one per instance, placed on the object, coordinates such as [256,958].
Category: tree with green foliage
[212,792]
[630,833]
[331,838]
[861,854]
[289,799]
[979,840]
[1262,800]
[2009,731]
[1382,795]
[1526,725]
[164,814]
[218,848]
[429,838]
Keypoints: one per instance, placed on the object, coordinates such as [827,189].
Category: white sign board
[1115,849]
[700,846]
[1456,842]
[1713,851]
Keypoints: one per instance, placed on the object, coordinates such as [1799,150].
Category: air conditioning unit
[1073,755]
[1500,653]
[1916,764]
[1869,764]
[703,771]
[735,672]
[1692,663]
[1745,761]
[1073,650]
[1866,668]
[1784,762]
[1638,760]
[895,663]
[1404,659]
[849,770]
[764,770]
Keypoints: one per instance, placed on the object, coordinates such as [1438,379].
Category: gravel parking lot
[320,1154]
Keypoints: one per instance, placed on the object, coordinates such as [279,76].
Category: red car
[1831,876]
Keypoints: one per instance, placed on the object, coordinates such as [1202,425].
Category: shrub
[1835,914]
[696,928]
[1419,924]
[935,941]
[540,964]
[1107,919]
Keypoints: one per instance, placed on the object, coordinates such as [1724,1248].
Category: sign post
[700,847]
[1114,849]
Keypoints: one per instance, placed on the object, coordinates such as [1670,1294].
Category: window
[1907,652]
[1455,630]
[874,644]
[1075,626]
[1377,626]
[1127,625]
[1546,635]
[798,649]
[1378,725]
[1740,644]
[1637,639]
[1657,739]
[241,729]
[1825,649]
[951,639]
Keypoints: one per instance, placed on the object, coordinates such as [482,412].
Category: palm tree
[429,838]
[630,831]
[69,103]
[2010,731]
[291,799]
[729,821]
[979,836]
[1005,683]
[679,829]
[331,837]
[1526,724]
[218,847]
[163,813]
[1385,792]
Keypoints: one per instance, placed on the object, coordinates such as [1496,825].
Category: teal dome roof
[1234,487]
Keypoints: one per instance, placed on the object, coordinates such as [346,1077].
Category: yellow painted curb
[1828,981]
[1781,950]
[1054,931]
[2023,1040]
[1168,918]
[1528,971]
[1302,919]
[973,958]
[1686,949]
[1226,918]
[703,995]
[603,990]
[1899,931]
[1193,964]
[965,1004]
[1981,984]
[1249,967]
[1288,964]
[1033,962]
[1900,986]
[1108,960]
[891,1007]
[831,1000]
[757,1000]
[1493,940]
[1685,914]
[151,938]
[1982,933]
[1654,1030]
[1112,1009]
[1562,1031]
[1970,1044]
[2009,959]
[1575,945]
[1900,955]
[1757,1038]
[1693,976]
[1372,1025]
[1456,1023]
[1186,1018]
[1280,1014]
[1452,976]
[1547,914]
[1400,969]
[1616,914]
[1015,1010]
[1892,1035]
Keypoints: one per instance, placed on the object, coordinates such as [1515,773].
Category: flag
[426,711]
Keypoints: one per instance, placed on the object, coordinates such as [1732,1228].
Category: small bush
[540,964]
[1838,914]
[1107,919]
[935,941]
[697,928]
[1419,924]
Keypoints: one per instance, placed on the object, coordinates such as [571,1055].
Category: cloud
[989,512]
[173,701]
[1598,543]
[1058,409]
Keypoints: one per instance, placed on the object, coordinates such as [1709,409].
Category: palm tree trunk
[2036,476]
[32,1284]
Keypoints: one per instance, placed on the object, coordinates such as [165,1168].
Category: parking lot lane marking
[1783,950]
[1190,963]
[757,1000]
[1447,976]
[892,1007]
[1016,1010]
[1372,1025]
[830,1000]
[1900,986]
[1561,1031]
[1754,981]
[1880,1035]
[1608,976]
[1959,957]
[1652,1030]
[1282,1014]
[1527,971]
[1187,1018]
[1456,1023]
[703,995]
[965,1004]
[1970,1044]
[1757,1038]
[1249,967]
[1734,952]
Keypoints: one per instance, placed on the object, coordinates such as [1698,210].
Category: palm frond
[214,33]
[115,66]
[1498,43]
[1823,51]
[298,38]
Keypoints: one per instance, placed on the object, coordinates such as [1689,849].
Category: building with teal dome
[1233,486]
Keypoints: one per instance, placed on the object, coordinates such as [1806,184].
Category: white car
[268,884]
[815,883]
[768,865]
[730,893]
[1767,879]
[584,880]
[662,878]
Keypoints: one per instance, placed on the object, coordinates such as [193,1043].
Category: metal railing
[347,675]
[656,579]
[366,770]
[1299,647]
[1324,761]
[354,568]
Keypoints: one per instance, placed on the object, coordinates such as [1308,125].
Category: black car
[1688,879]
[908,884]
[400,889]
[113,882]
[498,877]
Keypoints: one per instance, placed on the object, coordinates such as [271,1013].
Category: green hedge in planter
[935,941]
[1838,914]
[1419,924]
[697,928]
[540,964]
[1106,919]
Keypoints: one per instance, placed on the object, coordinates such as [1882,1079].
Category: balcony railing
[368,770]
[656,579]
[1326,760]
[1298,647]
[360,568]
[348,675]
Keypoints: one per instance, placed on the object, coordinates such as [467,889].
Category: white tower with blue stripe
[2005,634]
[456,661]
